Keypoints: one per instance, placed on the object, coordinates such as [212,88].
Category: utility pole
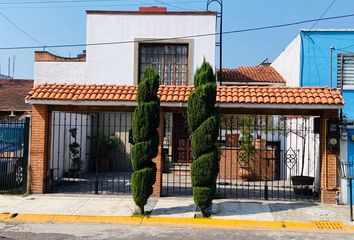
[331,66]
[219,44]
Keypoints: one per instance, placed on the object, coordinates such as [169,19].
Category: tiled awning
[254,95]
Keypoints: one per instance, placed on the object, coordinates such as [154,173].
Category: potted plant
[75,155]
[247,149]
[300,182]
[109,150]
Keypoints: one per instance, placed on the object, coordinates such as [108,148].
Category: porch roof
[227,96]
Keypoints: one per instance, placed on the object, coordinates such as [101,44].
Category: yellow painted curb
[4,216]
[175,222]
[77,218]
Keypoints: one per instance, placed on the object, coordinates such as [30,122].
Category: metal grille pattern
[261,157]
[90,153]
[14,136]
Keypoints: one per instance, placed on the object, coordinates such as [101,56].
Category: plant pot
[245,173]
[302,180]
[302,184]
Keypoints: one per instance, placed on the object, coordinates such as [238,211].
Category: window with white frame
[170,60]
[345,72]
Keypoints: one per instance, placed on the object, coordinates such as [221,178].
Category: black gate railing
[14,140]
[261,157]
[90,153]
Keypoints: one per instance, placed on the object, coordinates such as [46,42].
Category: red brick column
[329,171]
[38,153]
[159,159]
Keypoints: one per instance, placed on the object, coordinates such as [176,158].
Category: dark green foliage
[147,92]
[201,105]
[203,197]
[145,122]
[203,120]
[204,75]
[205,136]
[143,152]
[142,181]
[204,169]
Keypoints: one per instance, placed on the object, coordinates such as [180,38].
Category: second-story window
[170,60]
[345,72]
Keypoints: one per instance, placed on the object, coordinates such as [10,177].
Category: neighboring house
[260,75]
[82,111]
[12,98]
[306,61]
[14,134]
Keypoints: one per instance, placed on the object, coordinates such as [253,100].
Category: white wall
[114,64]
[343,198]
[299,128]
[288,63]
[59,72]
[61,123]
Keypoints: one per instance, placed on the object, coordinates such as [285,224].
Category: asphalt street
[109,231]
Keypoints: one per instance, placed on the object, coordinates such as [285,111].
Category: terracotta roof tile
[260,73]
[225,94]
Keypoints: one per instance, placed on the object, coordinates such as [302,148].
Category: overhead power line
[324,13]
[95,4]
[172,5]
[181,37]
[55,2]
[20,29]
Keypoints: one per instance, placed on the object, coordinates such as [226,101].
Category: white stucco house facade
[114,39]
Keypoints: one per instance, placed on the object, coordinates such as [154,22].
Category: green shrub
[203,120]
[144,130]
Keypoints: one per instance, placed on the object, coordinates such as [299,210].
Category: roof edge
[45,56]
[112,12]
[185,104]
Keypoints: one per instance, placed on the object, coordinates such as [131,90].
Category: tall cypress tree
[146,120]
[203,120]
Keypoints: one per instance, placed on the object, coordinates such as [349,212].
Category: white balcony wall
[114,64]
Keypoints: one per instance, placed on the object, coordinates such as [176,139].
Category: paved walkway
[92,205]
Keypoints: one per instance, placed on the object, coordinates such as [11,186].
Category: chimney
[153,9]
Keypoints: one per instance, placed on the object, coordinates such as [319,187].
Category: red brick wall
[329,172]
[159,159]
[38,153]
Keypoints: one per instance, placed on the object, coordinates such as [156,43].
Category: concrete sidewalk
[227,209]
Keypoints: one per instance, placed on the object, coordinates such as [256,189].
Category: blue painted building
[325,58]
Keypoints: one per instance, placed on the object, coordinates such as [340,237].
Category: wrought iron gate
[14,140]
[90,153]
[261,157]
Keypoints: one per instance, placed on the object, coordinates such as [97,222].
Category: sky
[64,22]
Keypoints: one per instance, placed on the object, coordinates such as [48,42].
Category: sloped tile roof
[225,94]
[249,74]
[13,93]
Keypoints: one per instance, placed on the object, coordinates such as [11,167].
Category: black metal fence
[90,153]
[261,157]
[14,137]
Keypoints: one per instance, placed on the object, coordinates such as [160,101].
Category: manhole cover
[329,225]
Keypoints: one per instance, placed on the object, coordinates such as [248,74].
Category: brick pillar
[38,153]
[329,172]
[159,159]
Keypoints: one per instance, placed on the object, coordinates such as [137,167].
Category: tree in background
[146,138]
[203,120]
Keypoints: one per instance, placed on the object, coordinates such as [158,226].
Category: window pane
[169,60]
